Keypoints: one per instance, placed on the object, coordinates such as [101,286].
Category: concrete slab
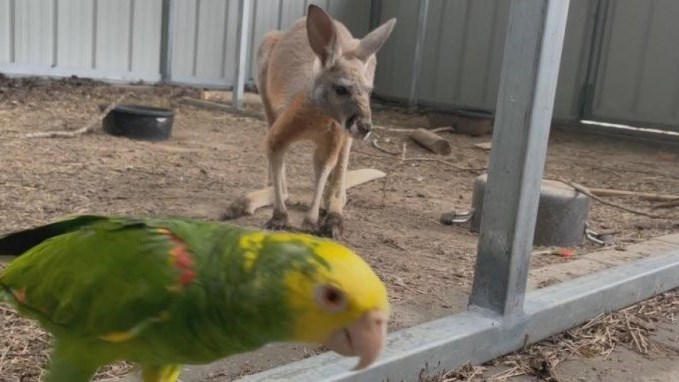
[552,274]
[586,264]
[599,260]
[653,247]
[615,257]
[674,238]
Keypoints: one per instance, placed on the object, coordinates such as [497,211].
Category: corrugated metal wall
[638,77]
[637,62]
[463,53]
[121,39]
[204,42]
[203,37]
[575,59]
[114,39]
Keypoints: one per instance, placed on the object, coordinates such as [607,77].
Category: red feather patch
[180,258]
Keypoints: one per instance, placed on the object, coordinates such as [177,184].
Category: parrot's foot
[162,373]
[332,227]
[278,222]
[238,208]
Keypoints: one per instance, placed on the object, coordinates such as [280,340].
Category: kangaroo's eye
[341,90]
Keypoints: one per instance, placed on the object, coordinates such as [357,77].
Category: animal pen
[502,317]
[589,65]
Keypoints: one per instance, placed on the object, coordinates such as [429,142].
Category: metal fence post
[242,39]
[586,100]
[422,13]
[167,39]
[530,69]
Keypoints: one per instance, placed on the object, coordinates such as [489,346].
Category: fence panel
[638,77]
[204,39]
[6,31]
[105,39]
[462,53]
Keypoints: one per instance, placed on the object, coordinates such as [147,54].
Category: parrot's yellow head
[341,303]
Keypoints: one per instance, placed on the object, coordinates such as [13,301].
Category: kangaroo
[315,82]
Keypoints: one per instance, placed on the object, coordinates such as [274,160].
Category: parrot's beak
[364,338]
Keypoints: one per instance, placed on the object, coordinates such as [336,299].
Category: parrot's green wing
[97,277]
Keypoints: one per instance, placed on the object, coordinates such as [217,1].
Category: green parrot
[163,292]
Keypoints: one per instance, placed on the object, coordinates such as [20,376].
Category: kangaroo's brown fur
[315,82]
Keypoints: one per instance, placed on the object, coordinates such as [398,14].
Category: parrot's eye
[330,298]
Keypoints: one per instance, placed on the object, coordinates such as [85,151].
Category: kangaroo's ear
[373,41]
[322,35]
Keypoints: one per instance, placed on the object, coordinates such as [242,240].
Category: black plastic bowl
[139,122]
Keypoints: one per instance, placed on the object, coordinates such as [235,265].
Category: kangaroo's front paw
[309,226]
[278,222]
[333,226]
[240,207]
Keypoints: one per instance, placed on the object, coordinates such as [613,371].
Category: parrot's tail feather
[16,243]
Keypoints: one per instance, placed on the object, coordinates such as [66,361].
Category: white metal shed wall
[121,39]
[204,31]
[637,81]
[631,75]
[463,50]
[204,36]
[110,39]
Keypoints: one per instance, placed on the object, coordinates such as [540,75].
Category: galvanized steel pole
[523,115]
[242,40]
[167,39]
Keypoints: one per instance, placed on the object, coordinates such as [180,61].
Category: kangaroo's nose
[358,127]
[364,128]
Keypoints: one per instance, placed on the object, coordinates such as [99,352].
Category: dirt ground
[214,157]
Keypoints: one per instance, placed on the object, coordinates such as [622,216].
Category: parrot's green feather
[111,280]
[102,269]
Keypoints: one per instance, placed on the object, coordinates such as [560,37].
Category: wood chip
[484,145]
